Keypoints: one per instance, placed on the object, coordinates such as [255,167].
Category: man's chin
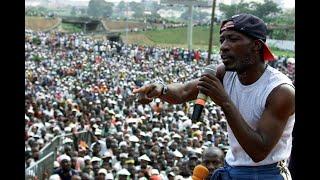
[228,68]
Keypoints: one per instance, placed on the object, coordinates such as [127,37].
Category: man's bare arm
[180,93]
[177,93]
[259,143]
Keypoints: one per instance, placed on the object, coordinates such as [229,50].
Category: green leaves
[100,8]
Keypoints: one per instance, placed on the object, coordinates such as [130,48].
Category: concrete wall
[282,44]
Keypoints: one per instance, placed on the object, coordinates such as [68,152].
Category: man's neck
[252,74]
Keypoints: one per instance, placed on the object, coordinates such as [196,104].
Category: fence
[37,170]
[49,152]
[282,44]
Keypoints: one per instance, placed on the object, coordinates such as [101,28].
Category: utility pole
[190,4]
[127,22]
[190,26]
[211,32]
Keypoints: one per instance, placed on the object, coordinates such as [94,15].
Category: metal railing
[48,154]
[57,142]
[44,165]
[51,147]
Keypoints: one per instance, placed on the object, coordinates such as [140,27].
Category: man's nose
[224,46]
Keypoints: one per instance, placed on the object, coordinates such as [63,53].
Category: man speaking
[257,100]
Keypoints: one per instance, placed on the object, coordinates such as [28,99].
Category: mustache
[226,56]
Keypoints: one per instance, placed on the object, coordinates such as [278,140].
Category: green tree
[138,9]
[100,8]
[121,9]
[73,11]
[285,19]
[197,15]
[155,7]
[267,10]
[230,10]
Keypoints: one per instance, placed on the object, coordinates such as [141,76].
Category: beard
[239,65]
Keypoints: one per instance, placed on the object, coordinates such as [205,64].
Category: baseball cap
[252,26]
[103,171]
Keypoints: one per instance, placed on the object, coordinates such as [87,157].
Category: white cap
[142,133]
[144,157]
[194,126]
[106,154]
[64,157]
[133,138]
[109,176]
[198,150]
[86,158]
[155,130]
[123,172]
[67,129]
[176,136]
[103,171]
[291,60]
[40,141]
[95,159]
[56,164]
[67,140]
[123,143]
[209,132]
[172,174]
[95,126]
[54,177]
[155,172]
[98,132]
[180,113]
[184,118]
[123,155]
[177,153]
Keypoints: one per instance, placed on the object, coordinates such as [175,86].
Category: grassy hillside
[179,36]
[40,23]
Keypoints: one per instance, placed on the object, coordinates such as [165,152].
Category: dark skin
[212,158]
[240,54]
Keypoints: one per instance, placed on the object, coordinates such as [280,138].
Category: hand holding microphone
[202,97]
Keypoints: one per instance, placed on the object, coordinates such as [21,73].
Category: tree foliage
[266,10]
[269,12]
[137,8]
[230,10]
[285,19]
[100,8]
[198,16]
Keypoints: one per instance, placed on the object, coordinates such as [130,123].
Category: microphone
[202,98]
[200,172]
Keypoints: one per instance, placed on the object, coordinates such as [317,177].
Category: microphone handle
[196,113]
[198,107]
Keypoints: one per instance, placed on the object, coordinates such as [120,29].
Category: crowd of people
[75,83]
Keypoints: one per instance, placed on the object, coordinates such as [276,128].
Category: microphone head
[200,172]
[210,69]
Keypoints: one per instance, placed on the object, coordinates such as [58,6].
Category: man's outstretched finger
[141,90]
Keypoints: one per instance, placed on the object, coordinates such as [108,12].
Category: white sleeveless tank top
[251,100]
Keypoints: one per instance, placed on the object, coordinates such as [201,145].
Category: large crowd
[75,83]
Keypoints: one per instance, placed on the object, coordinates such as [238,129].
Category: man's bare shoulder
[220,71]
[282,99]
